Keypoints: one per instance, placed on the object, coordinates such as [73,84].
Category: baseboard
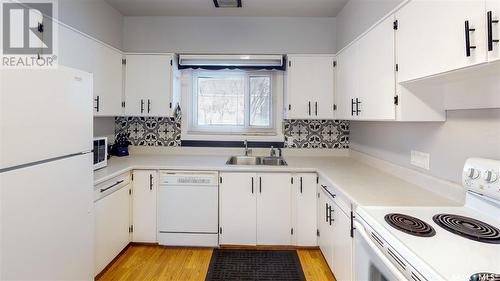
[113,261]
[267,248]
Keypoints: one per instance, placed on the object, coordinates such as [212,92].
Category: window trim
[246,128]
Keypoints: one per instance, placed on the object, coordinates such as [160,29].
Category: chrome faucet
[247,151]
[272,152]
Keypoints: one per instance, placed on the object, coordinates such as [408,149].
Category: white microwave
[100,152]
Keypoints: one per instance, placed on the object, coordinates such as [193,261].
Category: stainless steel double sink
[256,160]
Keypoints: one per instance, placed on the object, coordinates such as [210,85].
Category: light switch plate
[420,159]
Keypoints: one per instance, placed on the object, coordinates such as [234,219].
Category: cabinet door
[80,52]
[237,209]
[377,72]
[112,221]
[304,209]
[108,82]
[144,206]
[431,37]
[342,245]
[325,240]
[492,15]
[310,87]
[274,209]
[346,82]
[148,85]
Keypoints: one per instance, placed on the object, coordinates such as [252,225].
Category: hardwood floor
[148,262]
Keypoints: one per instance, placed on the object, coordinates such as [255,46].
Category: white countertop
[362,184]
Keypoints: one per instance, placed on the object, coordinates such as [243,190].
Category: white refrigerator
[46,175]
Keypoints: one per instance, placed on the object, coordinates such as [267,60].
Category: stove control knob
[490,176]
[473,173]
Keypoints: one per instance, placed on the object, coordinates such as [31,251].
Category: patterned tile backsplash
[316,133]
[163,131]
[150,131]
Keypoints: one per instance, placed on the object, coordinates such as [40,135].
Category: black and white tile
[316,134]
[150,131]
[163,131]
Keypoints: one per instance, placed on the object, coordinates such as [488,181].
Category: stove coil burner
[410,225]
[469,228]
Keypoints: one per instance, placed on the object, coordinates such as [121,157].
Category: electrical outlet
[420,159]
[289,142]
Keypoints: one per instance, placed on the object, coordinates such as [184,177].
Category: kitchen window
[232,102]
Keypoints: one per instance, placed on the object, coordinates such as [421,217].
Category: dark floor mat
[253,265]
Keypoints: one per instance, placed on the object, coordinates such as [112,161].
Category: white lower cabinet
[304,209]
[325,229]
[334,225]
[144,202]
[274,226]
[237,209]
[255,209]
[112,220]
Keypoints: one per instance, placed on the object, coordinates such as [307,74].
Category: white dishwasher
[188,207]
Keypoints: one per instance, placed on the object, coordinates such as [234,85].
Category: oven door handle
[390,266]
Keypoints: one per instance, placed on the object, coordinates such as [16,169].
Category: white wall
[229,35]
[466,133]
[95,18]
[358,15]
[105,127]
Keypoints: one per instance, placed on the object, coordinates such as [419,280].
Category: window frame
[246,128]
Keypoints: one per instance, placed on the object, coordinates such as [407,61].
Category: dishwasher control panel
[188,178]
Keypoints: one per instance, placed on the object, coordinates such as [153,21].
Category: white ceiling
[251,8]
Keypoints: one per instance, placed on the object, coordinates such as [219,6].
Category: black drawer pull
[111,186]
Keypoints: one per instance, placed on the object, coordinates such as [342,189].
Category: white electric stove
[435,243]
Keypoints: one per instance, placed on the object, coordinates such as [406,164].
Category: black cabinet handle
[300,184]
[352,107]
[142,106]
[149,105]
[490,22]
[468,46]
[330,211]
[113,185]
[260,185]
[97,100]
[150,182]
[252,185]
[326,210]
[357,106]
[316,108]
[309,109]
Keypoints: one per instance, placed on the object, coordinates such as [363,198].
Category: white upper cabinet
[366,76]
[105,63]
[493,29]
[151,85]
[432,37]
[310,86]
[376,84]
[347,82]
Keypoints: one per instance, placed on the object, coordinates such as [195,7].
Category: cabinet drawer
[339,199]
[106,188]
